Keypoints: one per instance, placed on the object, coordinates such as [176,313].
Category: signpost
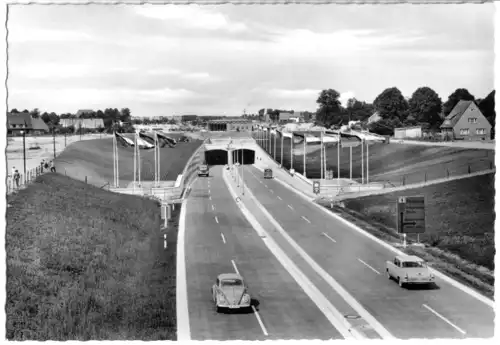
[316,187]
[411,216]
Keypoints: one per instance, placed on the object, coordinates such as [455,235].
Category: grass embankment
[459,234]
[84,263]
[393,162]
[94,159]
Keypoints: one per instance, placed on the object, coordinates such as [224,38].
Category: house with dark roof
[23,122]
[81,112]
[467,122]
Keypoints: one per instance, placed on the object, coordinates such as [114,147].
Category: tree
[14,111]
[384,126]
[125,115]
[358,111]
[329,111]
[454,98]
[424,108]
[487,107]
[391,105]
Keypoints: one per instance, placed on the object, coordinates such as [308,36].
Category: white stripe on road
[444,319]
[290,207]
[209,197]
[165,241]
[223,238]
[331,239]
[217,219]
[279,197]
[307,220]
[272,191]
[265,185]
[213,208]
[235,268]
[264,330]
[370,267]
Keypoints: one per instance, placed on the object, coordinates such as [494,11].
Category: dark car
[268,173]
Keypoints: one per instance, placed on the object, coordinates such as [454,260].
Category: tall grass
[84,263]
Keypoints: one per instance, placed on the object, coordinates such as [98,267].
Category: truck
[203,170]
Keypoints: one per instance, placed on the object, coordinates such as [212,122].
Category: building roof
[39,125]
[19,119]
[456,113]
[83,111]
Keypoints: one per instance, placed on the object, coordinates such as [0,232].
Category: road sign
[411,214]
[316,187]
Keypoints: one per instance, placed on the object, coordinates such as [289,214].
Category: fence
[24,180]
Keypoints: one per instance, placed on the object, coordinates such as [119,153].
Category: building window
[480,131]
[472,120]
[464,131]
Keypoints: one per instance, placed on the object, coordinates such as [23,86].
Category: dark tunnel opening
[220,157]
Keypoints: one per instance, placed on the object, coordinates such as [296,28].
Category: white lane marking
[235,268]
[374,323]
[307,220]
[272,191]
[266,186]
[209,197]
[217,219]
[489,302]
[279,197]
[290,207]
[213,208]
[444,319]
[183,327]
[223,238]
[330,238]
[333,315]
[209,191]
[264,330]
[370,267]
[165,241]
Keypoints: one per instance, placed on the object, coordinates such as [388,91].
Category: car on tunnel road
[268,173]
[203,170]
[409,269]
[231,292]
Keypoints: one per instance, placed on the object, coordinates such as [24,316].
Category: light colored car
[409,269]
[203,170]
[230,291]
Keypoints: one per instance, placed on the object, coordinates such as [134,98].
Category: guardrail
[24,180]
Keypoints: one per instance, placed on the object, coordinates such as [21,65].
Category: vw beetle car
[409,269]
[268,173]
[230,291]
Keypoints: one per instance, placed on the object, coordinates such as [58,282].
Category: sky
[163,60]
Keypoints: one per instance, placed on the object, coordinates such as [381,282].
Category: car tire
[388,275]
[217,309]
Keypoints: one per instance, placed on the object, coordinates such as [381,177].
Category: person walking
[52,167]
[17,177]
[42,164]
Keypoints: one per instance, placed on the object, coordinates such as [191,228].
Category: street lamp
[24,151]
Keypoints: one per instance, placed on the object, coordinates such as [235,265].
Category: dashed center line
[209,197]
[444,319]
[307,220]
[327,236]
[217,219]
[279,197]
[290,207]
[223,238]
[235,268]
[370,267]
[264,330]
[213,208]
[272,191]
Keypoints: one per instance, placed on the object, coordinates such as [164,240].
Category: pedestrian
[52,167]
[13,172]
[17,177]
[46,165]
[42,164]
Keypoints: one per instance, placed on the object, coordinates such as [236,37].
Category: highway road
[219,239]
[357,263]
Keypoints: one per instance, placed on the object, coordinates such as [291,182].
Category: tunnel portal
[220,157]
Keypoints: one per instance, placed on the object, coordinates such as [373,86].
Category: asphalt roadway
[219,239]
[357,263]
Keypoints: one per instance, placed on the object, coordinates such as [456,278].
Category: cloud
[283,93]
[27,34]
[191,16]
[345,96]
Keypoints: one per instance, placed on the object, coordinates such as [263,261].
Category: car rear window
[413,264]
[232,282]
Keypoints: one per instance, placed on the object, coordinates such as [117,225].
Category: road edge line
[489,302]
[339,324]
[344,294]
[183,327]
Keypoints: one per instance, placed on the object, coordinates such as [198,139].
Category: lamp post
[24,151]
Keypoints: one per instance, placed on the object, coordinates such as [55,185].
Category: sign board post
[316,187]
[411,216]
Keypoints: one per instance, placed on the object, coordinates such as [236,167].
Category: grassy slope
[84,263]
[94,159]
[390,162]
[460,226]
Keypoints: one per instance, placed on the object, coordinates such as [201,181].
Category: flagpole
[350,162]
[321,156]
[158,153]
[305,155]
[155,139]
[275,145]
[367,162]
[282,142]
[117,167]
[363,161]
[291,152]
[135,158]
[324,160]
[338,160]
[114,158]
[139,165]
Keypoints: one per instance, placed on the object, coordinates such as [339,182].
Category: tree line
[424,108]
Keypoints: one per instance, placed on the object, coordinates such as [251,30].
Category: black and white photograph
[249,170]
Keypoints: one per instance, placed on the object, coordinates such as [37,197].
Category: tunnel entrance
[220,157]
[217,127]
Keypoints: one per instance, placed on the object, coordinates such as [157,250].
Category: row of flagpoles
[137,159]
[265,137]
